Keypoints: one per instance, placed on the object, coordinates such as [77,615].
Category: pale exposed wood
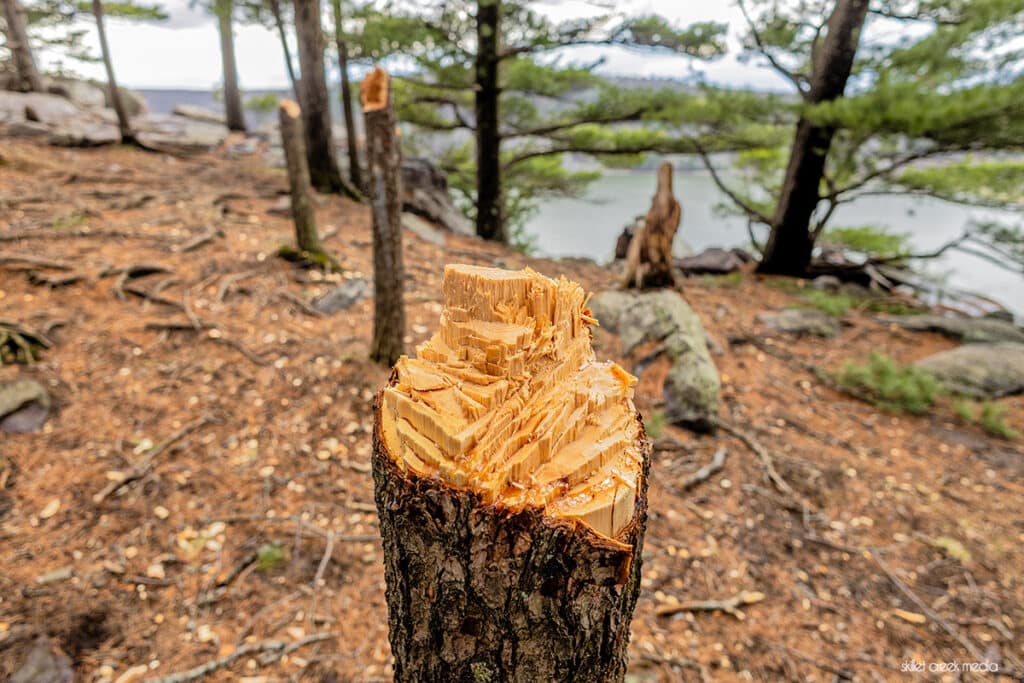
[508,399]
[649,256]
[293,142]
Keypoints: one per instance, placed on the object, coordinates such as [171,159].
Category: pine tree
[16,34]
[481,71]
[869,110]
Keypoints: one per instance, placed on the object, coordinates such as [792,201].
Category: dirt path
[902,538]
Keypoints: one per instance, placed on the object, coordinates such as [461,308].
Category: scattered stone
[692,387]
[24,406]
[422,229]
[714,261]
[801,322]
[828,283]
[45,663]
[344,296]
[134,674]
[979,370]
[52,508]
[55,576]
[970,330]
[425,193]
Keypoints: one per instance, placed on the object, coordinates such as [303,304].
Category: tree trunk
[490,221]
[127,136]
[354,170]
[513,532]
[225,10]
[275,9]
[303,215]
[791,243]
[316,113]
[21,51]
[384,192]
[649,255]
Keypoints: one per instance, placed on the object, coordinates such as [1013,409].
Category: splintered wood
[507,399]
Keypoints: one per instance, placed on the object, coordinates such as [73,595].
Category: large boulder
[24,406]
[81,93]
[197,113]
[692,387]
[714,261]
[971,330]
[979,370]
[425,193]
[39,107]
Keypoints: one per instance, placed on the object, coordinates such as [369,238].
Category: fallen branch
[704,473]
[275,649]
[29,260]
[730,606]
[299,302]
[139,470]
[762,453]
[199,241]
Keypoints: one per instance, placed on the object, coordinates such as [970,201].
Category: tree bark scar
[479,592]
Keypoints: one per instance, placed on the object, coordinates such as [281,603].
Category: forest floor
[203,489]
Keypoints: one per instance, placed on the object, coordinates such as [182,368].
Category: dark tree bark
[21,52]
[275,10]
[477,593]
[127,136]
[303,215]
[791,243]
[316,113]
[490,221]
[384,191]
[225,10]
[354,170]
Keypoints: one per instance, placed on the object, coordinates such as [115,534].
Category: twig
[730,605]
[200,240]
[229,283]
[137,471]
[210,597]
[238,346]
[186,306]
[33,261]
[318,577]
[928,611]
[762,453]
[678,662]
[844,674]
[275,648]
[704,473]
[298,521]
[301,303]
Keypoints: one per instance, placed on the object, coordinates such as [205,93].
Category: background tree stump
[649,256]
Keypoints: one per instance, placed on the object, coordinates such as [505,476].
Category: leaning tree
[17,42]
[926,114]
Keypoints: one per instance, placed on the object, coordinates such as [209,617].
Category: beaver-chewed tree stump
[510,471]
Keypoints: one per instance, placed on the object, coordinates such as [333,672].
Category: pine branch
[752,213]
[541,131]
[799,80]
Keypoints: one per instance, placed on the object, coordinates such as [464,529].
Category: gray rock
[961,328]
[40,107]
[197,113]
[713,261]
[82,93]
[24,406]
[828,283]
[425,193]
[802,322]
[344,296]
[83,132]
[45,663]
[979,370]
[26,129]
[178,133]
[422,228]
[692,387]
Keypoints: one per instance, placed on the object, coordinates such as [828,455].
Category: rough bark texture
[21,52]
[355,173]
[385,194]
[275,10]
[235,116]
[124,126]
[791,243]
[649,255]
[316,115]
[490,223]
[303,215]
[479,593]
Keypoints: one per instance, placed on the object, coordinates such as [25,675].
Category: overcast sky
[183,52]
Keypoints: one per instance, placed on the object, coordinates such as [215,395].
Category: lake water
[588,226]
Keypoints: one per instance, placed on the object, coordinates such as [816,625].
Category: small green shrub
[270,557]
[890,385]
[654,425]
[834,304]
[992,420]
[266,102]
